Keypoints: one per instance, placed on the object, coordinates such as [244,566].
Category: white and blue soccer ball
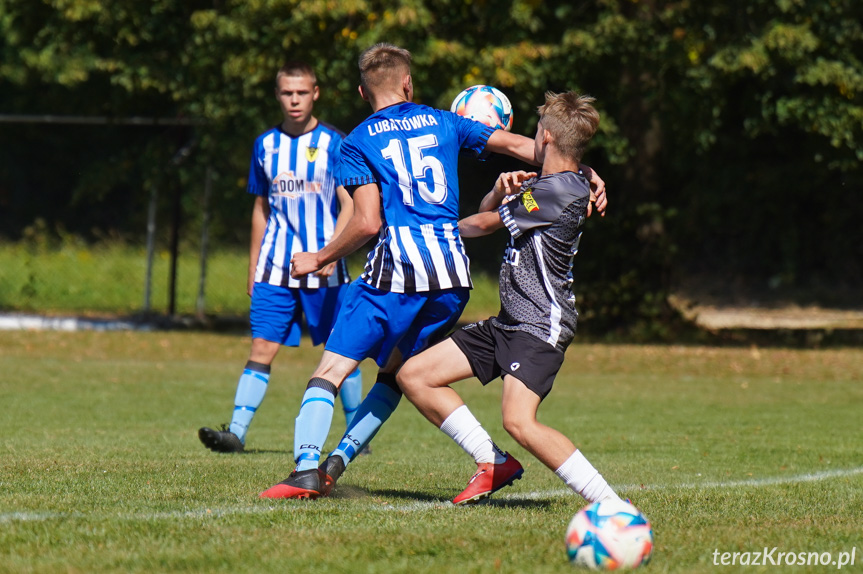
[609,535]
[484,104]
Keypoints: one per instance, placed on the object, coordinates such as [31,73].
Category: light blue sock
[251,389]
[351,393]
[376,408]
[313,423]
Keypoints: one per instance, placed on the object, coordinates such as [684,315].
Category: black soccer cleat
[330,471]
[220,440]
[300,484]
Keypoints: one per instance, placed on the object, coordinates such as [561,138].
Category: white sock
[580,476]
[465,430]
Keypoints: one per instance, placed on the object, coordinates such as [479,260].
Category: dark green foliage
[730,138]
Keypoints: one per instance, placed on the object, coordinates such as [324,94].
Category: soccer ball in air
[609,535]
[484,104]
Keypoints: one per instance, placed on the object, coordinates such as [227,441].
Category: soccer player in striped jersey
[525,343]
[299,206]
[401,167]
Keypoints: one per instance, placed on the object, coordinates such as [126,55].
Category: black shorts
[493,352]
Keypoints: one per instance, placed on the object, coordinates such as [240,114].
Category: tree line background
[731,134]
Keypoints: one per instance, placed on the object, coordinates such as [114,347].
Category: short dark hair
[297,68]
[383,64]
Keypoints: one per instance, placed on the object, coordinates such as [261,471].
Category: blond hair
[384,65]
[571,120]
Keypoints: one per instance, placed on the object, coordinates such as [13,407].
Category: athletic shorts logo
[529,202]
[514,366]
[311,153]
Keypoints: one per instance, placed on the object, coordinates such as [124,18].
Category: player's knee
[517,426]
[334,368]
[263,351]
[407,380]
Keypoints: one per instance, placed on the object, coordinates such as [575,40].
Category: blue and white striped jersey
[298,176]
[411,151]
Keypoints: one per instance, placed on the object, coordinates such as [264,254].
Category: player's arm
[598,200]
[364,224]
[521,147]
[480,224]
[346,210]
[508,184]
[517,146]
[488,219]
[260,215]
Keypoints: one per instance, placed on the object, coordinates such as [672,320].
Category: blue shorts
[277,312]
[372,322]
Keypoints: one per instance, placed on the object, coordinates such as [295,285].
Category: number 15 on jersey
[423,166]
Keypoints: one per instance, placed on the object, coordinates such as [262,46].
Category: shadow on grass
[253,451]
[495,502]
[406,495]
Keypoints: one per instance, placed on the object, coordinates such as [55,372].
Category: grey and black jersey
[544,223]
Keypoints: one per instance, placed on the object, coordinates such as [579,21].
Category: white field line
[207,513]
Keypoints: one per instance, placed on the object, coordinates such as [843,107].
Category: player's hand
[598,200]
[327,270]
[304,263]
[509,182]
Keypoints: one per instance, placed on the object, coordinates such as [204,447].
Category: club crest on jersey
[311,153]
[529,202]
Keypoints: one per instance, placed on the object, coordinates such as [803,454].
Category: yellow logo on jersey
[529,202]
[311,153]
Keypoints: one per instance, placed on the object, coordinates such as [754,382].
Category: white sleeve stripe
[509,221]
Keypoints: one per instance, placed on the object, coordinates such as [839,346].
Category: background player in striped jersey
[401,166]
[525,343]
[299,206]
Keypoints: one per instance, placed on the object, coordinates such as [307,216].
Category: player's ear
[316,92]
[408,87]
[363,93]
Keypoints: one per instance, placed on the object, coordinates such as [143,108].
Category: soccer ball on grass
[484,104]
[609,535]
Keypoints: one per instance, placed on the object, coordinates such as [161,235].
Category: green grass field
[101,470]
[109,278]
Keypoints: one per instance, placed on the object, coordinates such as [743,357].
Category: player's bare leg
[551,447]
[518,407]
[334,368]
[425,380]
[263,351]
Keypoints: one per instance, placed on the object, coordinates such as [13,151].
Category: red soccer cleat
[490,478]
[300,484]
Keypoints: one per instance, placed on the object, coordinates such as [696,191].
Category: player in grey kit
[525,343]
